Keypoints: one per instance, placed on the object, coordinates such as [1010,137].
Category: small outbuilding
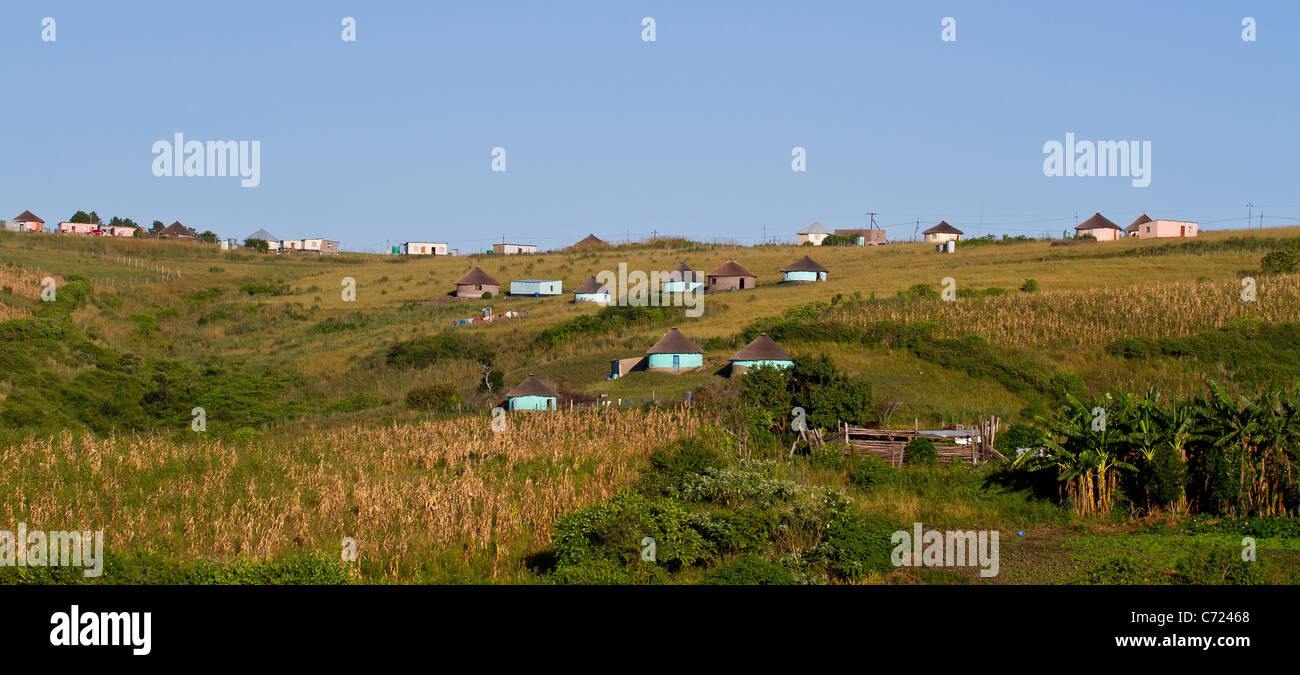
[514,249]
[813,234]
[1099,228]
[591,290]
[941,233]
[476,283]
[424,248]
[532,394]
[536,287]
[762,351]
[320,245]
[873,236]
[682,279]
[730,276]
[674,352]
[804,270]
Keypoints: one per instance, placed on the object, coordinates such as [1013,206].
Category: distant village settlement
[674,352]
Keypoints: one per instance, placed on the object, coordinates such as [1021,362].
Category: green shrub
[1166,477]
[487,295]
[750,570]
[920,452]
[733,485]
[1284,261]
[1119,571]
[871,471]
[427,350]
[336,325]
[920,291]
[361,401]
[146,325]
[1018,436]
[828,456]
[743,529]
[688,456]
[854,544]
[436,397]
[254,288]
[1129,348]
[1030,286]
[608,320]
[67,298]
[1216,565]
[1174,346]
[613,531]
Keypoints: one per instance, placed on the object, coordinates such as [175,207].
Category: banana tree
[1083,447]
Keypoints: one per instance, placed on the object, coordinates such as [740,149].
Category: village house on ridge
[475,283]
[813,234]
[943,232]
[730,276]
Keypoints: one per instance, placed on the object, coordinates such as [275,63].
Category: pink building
[1098,228]
[1166,228]
[77,228]
[120,230]
[30,223]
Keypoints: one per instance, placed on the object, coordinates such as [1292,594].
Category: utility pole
[872,215]
[916,229]
[1249,206]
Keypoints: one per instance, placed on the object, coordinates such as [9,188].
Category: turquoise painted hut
[683,279]
[532,394]
[803,270]
[674,352]
[762,351]
[536,287]
[591,290]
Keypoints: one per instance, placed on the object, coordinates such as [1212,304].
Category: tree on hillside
[256,245]
[827,395]
[207,237]
[157,227]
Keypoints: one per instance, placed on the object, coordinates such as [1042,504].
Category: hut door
[677,363]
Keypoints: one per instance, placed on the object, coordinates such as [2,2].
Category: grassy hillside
[309,436]
[290,315]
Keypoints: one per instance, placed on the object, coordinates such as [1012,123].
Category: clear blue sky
[390,137]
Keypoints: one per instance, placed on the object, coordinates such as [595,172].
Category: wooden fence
[888,444]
